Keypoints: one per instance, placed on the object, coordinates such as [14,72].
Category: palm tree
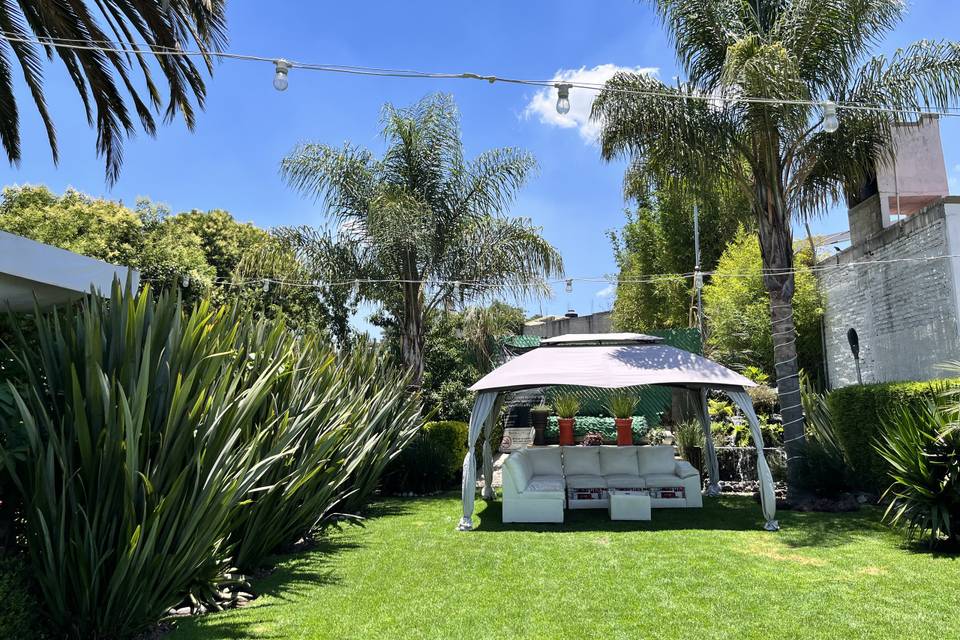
[420,227]
[778,154]
[75,33]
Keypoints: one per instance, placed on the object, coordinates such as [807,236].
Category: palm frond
[103,78]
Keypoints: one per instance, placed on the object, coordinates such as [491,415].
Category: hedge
[431,462]
[858,412]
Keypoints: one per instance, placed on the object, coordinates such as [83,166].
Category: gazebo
[611,361]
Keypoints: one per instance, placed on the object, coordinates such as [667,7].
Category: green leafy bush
[18,607]
[921,444]
[858,412]
[432,461]
[598,424]
[688,437]
[824,469]
[165,444]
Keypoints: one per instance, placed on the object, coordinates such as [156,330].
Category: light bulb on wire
[563,98]
[830,121]
[280,80]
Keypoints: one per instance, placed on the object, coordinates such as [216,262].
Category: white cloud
[543,105]
[607,292]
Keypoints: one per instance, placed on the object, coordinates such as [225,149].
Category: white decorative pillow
[581,461]
[657,459]
[614,460]
[545,461]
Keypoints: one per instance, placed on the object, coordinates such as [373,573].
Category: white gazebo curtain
[768,498]
[482,414]
[486,409]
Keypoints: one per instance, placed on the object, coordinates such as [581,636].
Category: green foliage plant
[688,436]
[858,412]
[603,425]
[920,443]
[621,405]
[431,462]
[566,405]
[19,613]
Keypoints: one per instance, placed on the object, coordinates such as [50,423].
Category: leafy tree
[105,79]
[776,153]
[205,249]
[737,309]
[420,219]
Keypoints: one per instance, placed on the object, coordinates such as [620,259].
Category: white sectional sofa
[538,483]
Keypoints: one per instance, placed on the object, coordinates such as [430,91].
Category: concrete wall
[905,312]
[594,323]
[918,174]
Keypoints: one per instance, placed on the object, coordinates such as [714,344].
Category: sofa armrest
[684,469]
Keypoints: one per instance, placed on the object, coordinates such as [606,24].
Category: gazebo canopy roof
[610,366]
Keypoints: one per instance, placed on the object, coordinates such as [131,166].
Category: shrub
[765,399]
[921,445]
[597,424]
[432,461]
[858,412]
[824,469]
[162,442]
[18,607]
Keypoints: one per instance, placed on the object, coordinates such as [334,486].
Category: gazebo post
[713,467]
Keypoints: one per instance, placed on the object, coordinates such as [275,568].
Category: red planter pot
[624,431]
[566,431]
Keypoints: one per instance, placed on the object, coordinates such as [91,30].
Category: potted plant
[538,417]
[621,406]
[566,407]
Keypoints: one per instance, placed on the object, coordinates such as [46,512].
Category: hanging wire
[111,46]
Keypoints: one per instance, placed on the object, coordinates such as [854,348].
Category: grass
[710,573]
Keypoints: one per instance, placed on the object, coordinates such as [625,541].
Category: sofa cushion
[662,480]
[624,481]
[655,459]
[621,460]
[685,470]
[545,461]
[545,483]
[586,481]
[581,461]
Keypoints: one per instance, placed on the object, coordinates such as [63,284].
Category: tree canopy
[420,227]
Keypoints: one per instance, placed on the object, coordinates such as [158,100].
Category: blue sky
[230,161]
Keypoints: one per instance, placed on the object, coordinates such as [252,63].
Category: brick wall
[904,312]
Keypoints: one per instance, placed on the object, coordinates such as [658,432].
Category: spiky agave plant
[143,425]
[921,445]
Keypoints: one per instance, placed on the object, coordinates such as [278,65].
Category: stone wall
[905,312]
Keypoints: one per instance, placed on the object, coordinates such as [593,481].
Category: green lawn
[710,573]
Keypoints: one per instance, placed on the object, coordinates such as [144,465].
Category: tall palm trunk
[412,329]
[776,248]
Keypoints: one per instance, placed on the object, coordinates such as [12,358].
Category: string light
[282,67]
[569,286]
[563,98]
[280,80]
[266,286]
[830,121]
[185,281]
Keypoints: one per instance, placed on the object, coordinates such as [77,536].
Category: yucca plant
[921,445]
[688,437]
[144,424]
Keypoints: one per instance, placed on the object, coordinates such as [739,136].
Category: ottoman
[629,505]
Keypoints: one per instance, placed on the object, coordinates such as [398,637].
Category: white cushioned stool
[629,505]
